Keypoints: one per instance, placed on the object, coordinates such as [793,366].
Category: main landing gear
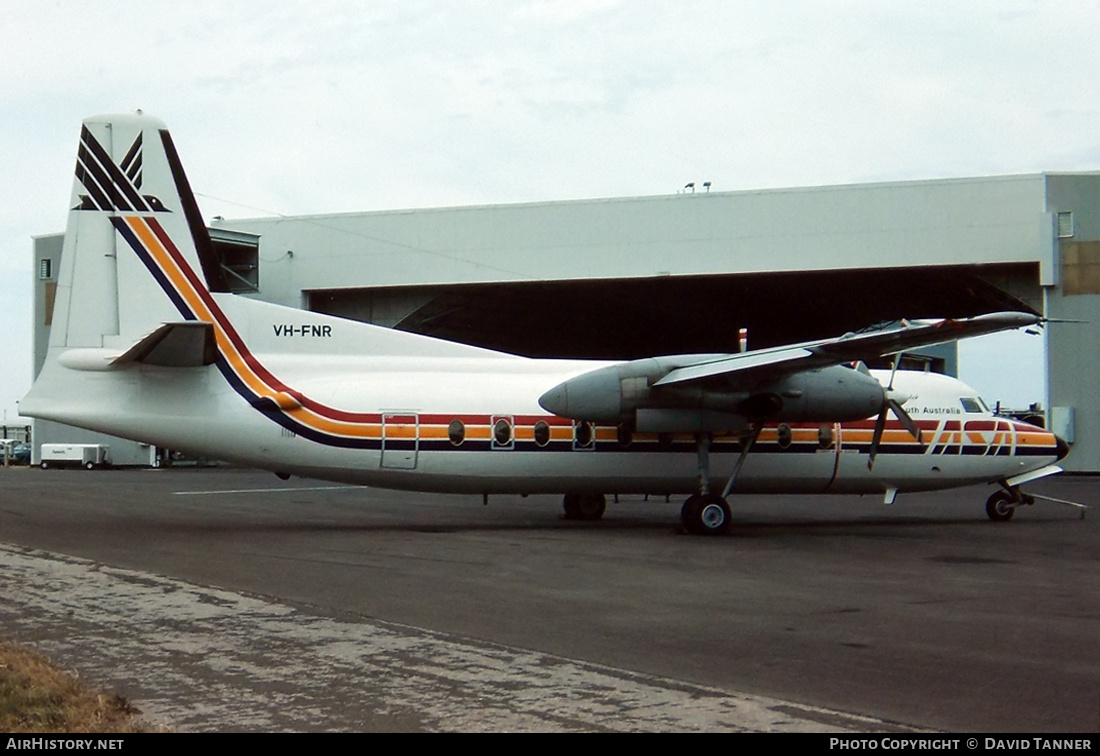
[705,514]
[584,506]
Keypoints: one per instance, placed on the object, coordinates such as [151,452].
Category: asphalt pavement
[226,599]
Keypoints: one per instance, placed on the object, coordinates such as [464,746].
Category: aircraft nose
[1063,447]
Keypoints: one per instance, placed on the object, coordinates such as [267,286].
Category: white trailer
[88,456]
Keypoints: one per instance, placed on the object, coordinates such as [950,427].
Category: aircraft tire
[705,515]
[570,505]
[586,507]
[592,506]
[999,507]
[687,513]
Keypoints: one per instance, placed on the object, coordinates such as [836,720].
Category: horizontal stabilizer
[187,344]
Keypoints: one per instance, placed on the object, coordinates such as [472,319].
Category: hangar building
[633,277]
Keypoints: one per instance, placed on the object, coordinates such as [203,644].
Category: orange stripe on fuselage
[240,360]
[320,417]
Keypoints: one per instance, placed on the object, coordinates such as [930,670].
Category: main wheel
[705,515]
[584,506]
[591,507]
[570,505]
[1000,507]
[688,513]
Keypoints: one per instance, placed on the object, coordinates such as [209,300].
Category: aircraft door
[400,440]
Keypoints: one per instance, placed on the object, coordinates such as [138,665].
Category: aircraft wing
[874,342]
[803,382]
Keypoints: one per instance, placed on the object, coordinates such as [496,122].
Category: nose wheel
[1000,507]
[1003,504]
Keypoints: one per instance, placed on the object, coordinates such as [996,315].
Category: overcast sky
[306,107]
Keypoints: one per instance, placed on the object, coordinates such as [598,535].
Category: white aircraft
[144,347]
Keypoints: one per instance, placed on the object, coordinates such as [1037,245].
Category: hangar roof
[976,221]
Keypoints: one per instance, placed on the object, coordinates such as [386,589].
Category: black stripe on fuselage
[151,265]
[267,407]
[216,279]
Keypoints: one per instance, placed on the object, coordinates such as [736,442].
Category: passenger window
[542,433]
[502,433]
[456,431]
[583,434]
[626,434]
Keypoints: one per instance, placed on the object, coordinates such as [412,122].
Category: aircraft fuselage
[458,424]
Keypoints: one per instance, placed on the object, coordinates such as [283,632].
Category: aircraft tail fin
[137,256]
[132,214]
[139,289]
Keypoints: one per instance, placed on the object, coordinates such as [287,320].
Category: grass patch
[36,696]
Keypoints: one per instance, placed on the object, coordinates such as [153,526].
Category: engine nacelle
[832,394]
[624,393]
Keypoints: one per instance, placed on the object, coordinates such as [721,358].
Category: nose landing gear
[1002,505]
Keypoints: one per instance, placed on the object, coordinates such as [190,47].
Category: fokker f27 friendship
[147,344]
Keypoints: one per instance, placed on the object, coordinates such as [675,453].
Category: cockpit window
[970,404]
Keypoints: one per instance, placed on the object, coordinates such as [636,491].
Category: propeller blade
[909,423]
[880,426]
[893,372]
[893,405]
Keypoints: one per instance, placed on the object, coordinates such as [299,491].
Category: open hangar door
[640,317]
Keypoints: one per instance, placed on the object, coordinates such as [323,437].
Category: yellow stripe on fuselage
[228,349]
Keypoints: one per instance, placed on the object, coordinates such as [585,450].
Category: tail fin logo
[112,187]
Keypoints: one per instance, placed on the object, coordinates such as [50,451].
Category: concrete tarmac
[814,613]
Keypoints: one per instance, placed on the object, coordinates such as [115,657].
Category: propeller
[890,404]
